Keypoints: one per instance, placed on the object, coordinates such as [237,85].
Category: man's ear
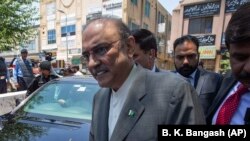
[131,46]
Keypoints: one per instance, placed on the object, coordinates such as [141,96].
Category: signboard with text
[207,52]
[206,40]
[233,5]
[200,10]
[113,7]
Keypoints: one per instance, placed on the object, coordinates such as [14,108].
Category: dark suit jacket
[207,85]
[156,98]
[228,82]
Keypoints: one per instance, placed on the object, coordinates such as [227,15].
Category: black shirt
[38,82]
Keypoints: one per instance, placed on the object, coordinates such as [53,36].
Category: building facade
[62,21]
[207,20]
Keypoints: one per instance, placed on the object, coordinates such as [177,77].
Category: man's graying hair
[122,28]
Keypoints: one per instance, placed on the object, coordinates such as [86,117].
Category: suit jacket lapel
[199,80]
[103,121]
[196,77]
[226,86]
[132,109]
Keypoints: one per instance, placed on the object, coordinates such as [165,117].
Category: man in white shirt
[131,97]
[76,70]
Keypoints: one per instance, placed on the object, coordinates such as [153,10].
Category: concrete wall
[8,101]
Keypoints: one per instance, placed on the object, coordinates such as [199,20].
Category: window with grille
[200,25]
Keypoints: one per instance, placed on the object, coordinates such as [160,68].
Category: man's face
[186,58]
[113,66]
[24,55]
[145,59]
[45,73]
[240,62]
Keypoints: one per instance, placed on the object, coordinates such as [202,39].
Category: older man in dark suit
[132,97]
[232,104]
[186,59]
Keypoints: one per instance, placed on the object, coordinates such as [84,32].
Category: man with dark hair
[76,71]
[186,59]
[232,104]
[44,77]
[146,49]
[22,72]
[4,76]
[131,97]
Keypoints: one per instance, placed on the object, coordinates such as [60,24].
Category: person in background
[76,70]
[145,49]
[4,76]
[68,72]
[186,58]
[131,96]
[22,71]
[232,104]
[44,77]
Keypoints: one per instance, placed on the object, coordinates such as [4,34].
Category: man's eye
[192,56]
[179,57]
[100,51]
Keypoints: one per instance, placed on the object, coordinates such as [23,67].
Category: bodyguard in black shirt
[44,77]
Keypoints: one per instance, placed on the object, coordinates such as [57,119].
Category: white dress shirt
[154,68]
[118,99]
[238,117]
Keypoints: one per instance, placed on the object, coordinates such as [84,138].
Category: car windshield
[63,99]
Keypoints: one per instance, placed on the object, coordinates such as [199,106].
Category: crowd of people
[133,97]
[28,77]
[135,92]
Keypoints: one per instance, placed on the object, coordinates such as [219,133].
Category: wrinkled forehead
[99,31]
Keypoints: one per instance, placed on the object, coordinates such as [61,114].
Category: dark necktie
[230,106]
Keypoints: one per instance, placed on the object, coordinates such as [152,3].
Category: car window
[72,100]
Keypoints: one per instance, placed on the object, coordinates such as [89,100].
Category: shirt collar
[127,82]
[193,74]
[153,69]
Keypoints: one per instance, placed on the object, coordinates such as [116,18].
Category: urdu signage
[109,6]
[206,40]
[112,7]
[233,5]
[204,9]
